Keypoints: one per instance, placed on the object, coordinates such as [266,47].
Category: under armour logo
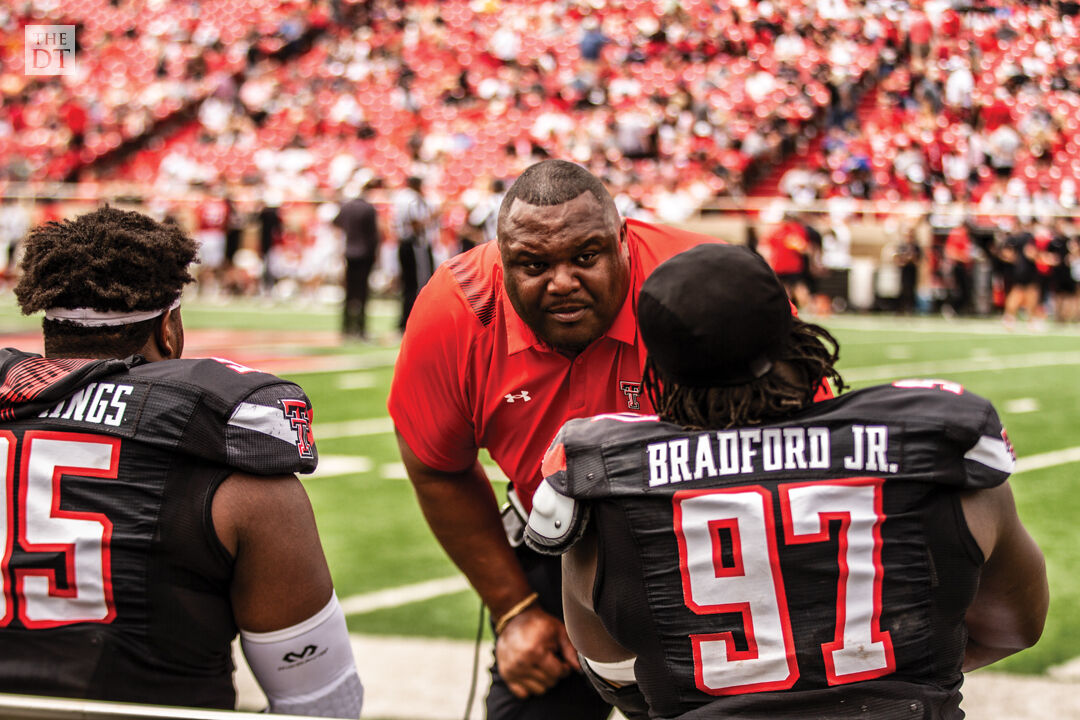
[523,396]
[296,411]
[631,390]
[308,651]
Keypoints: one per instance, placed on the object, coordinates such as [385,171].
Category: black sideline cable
[475,662]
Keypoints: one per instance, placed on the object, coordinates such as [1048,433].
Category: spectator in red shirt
[920,33]
[957,269]
[74,115]
[996,112]
[211,218]
[788,246]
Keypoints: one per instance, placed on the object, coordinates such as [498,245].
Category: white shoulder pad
[556,521]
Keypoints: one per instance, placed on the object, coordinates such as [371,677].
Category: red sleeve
[428,394]
[653,244]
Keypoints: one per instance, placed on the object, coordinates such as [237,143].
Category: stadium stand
[687,96]
[684,108]
[676,102]
[139,65]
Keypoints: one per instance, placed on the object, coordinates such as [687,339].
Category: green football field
[376,540]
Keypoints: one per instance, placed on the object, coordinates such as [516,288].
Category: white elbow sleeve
[307,669]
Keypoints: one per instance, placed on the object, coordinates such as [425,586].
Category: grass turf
[375,537]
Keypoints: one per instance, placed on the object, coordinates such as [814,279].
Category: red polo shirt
[471,373]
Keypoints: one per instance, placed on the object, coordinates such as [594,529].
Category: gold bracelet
[514,612]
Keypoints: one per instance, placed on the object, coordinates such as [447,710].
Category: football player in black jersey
[152,509]
[752,553]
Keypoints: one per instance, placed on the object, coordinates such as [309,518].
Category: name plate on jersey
[753,451]
[111,407]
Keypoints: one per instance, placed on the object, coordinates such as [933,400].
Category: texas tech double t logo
[631,390]
[300,418]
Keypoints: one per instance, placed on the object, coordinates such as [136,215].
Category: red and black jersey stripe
[29,378]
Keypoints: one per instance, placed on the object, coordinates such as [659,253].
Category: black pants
[354,320]
[415,272]
[960,293]
[232,243]
[573,698]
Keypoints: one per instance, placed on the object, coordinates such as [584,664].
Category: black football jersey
[115,585]
[818,568]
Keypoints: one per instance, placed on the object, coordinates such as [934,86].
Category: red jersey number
[82,537]
[729,563]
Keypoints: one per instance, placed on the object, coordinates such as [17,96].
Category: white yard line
[1047,459]
[339,363]
[962,365]
[333,465]
[352,428]
[396,471]
[357,381]
[937,326]
[403,595]
[1020,406]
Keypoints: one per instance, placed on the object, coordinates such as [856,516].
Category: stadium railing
[135,193]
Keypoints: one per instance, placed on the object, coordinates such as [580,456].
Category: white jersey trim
[620,673]
[263,419]
[993,453]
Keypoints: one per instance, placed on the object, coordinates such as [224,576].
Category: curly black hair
[107,260]
[806,363]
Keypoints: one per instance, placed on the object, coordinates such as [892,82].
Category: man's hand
[534,652]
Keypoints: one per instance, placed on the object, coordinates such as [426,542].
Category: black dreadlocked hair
[107,260]
[807,362]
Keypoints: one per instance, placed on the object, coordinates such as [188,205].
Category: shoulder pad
[951,427]
[246,419]
[30,383]
[556,521]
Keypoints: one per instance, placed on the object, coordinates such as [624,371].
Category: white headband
[88,317]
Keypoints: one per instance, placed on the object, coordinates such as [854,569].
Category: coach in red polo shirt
[506,343]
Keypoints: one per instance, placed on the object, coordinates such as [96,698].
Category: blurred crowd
[138,65]
[984,108]
[1026,272]
[673,102]
[252,122]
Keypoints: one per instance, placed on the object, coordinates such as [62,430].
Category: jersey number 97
[747,580]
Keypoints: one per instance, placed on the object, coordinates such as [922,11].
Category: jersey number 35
[82,538]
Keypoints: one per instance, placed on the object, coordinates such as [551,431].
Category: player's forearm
[462,512]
